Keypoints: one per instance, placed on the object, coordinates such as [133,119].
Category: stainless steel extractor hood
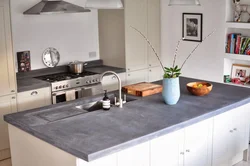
[51,7]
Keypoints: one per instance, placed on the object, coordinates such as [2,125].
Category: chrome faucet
[120,102]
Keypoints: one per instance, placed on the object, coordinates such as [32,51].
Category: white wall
[73,35]
[207,62]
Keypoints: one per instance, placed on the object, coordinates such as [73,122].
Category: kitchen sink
[97,105]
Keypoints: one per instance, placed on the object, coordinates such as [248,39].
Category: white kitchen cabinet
[122,46]
[135,45]
[230,135]
[135,156]
[155,74]
[7,72]
[154,31]
[110,82]
[7,106]
[110,160]
[191,146]
[33,99]
[198,144]
[136,77]
[165,150]
[221,139]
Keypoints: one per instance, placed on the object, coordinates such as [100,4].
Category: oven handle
[86,87]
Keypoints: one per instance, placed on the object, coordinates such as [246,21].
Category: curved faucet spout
[119,85]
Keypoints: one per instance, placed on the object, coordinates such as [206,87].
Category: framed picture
[23,60]
[192,27]
[240,71]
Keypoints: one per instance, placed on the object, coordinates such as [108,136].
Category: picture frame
[240,71]
[192,27]
[23,61]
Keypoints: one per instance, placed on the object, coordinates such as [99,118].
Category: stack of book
[238,44]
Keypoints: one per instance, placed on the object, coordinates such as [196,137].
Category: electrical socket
[92,54]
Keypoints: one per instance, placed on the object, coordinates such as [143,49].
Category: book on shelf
[238,44]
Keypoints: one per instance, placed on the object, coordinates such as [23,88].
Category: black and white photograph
[192,27]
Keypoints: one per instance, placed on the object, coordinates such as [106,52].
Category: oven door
[67,95]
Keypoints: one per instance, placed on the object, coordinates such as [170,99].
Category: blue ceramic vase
[171,90]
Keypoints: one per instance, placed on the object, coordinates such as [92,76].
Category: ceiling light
[184,2]
[104,4]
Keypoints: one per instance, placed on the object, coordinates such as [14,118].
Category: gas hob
[63,81]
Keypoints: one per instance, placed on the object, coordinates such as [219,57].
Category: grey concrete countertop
[96,134]
[27,84]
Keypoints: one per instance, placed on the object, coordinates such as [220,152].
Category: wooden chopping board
[142,89]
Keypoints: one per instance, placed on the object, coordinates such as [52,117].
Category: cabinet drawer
[155,74]
[110,82]
[137,77]
[33,99]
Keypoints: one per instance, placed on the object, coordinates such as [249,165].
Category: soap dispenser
[106,102]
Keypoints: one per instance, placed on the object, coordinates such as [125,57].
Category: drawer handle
[34,93]
[182,153]
[235,129]
[231,131]
[188,150]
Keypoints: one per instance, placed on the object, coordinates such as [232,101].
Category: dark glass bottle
[106,102]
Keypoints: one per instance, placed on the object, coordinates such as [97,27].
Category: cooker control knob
[93,81]
[60,87]
[64,86]
[67,86]
[56,87]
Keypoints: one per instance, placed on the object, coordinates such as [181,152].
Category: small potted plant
[171,85]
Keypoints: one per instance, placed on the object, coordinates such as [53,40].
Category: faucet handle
[115,101]
[124,98]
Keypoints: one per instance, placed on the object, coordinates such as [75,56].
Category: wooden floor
[5,162]
[244,163]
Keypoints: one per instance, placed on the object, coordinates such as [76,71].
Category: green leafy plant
[174,71]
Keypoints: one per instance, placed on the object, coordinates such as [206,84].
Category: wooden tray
[142,89]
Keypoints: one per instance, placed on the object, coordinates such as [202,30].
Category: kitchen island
[198,131]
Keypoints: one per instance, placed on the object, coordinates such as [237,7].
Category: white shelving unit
[238,25]
[235,27]
[237,57]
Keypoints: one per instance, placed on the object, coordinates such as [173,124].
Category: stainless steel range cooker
[68,86]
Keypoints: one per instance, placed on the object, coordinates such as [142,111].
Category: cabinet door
[7,106]
[222,138]
[110,82]
[167,150]
[135,156]
[136,77]
[135,45]
[33,99]
[154,31]
[198,144]
[155,74]
[7,72]
[239,128]
[110,160]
